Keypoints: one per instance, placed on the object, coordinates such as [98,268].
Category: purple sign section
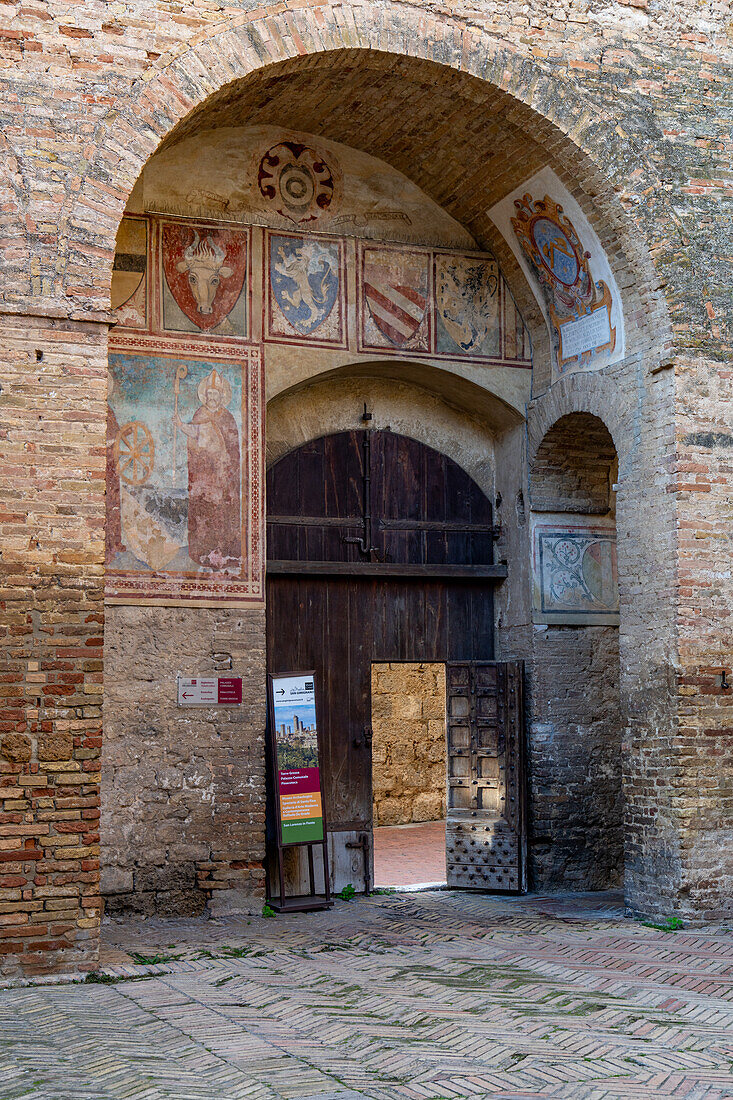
[230,690]
[299,781]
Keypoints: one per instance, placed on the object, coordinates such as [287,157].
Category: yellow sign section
[307,804]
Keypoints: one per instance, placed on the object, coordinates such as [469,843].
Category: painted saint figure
[214,478]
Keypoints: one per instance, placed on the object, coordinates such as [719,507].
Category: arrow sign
[210,691]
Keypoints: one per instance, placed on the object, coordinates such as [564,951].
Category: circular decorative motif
[566,552]
[555,250]
[296,180]
[134,453]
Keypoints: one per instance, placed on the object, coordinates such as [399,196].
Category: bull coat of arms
[304,276]
[205,271]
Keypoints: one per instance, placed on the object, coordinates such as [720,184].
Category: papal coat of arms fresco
[203,285]
[579,307]
[575,573]
[304,289]
[396,293]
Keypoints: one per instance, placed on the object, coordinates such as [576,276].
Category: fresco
[305,289]
[567,269]
[182,518]
[396,294]
[185,514]
[575,573]
[467,306]
[288,180]
[203,281]
[129,273]
[297,181]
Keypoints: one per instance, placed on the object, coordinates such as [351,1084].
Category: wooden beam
[386,569]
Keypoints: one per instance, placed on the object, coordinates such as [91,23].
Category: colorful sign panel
[298,777]
[211,691]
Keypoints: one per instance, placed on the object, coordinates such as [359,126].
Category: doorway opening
[408,774]
[381,551]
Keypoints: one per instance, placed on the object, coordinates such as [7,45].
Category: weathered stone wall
[183,789]
[408,747]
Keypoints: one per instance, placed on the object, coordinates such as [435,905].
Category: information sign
[210,691]
[298,776]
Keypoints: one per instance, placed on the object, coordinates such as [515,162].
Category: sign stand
[295,778]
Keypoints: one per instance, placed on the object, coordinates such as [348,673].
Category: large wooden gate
[379,549]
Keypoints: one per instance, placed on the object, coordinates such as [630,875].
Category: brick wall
[408,749]
[52,417]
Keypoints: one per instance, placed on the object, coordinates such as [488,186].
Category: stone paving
[421,996]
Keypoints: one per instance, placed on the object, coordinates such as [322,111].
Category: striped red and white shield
[396,307]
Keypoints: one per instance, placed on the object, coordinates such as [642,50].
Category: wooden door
[486,828]
[379,549]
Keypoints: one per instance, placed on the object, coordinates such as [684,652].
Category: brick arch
[132,131]
[591,394]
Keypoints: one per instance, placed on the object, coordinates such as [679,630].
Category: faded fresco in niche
[467,306]
[575,573]
[129,274]
[203,283]
[396,293]
[305,289]
[182,519]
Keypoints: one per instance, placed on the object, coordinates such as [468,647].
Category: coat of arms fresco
[575,573]
[579,307]
[204,279]
[467,305]
[296,180]
[129,273]
[396,290]
[304,288]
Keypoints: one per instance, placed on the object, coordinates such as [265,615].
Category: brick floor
[417,996]
[409,855]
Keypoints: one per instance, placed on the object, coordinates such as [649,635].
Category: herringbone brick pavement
[396,997]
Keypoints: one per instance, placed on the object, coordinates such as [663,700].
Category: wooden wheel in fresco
[134,453]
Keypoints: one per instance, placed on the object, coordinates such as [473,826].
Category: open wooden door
[379,549]
[486,826]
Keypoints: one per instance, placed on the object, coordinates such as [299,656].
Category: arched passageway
[351,209]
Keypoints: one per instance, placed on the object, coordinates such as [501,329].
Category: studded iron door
[486,827]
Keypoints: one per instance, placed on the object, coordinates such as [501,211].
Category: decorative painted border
[268,297]
[190,589]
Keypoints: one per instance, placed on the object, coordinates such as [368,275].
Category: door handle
[364,740]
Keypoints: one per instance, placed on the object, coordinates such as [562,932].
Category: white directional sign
[210,691]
